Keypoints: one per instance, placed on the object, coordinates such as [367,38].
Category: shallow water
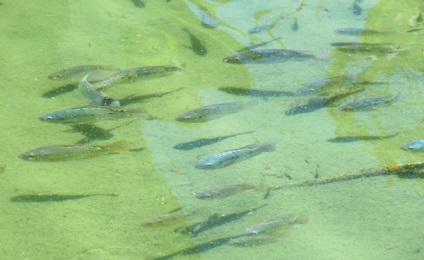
[366,218]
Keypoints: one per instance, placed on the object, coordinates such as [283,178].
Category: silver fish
[81,115]
[229,157]
[77,70]
[277,224]
[207,113]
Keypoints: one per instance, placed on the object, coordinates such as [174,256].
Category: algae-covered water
[365,218]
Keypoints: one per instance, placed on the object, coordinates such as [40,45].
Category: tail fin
[303,218]
[269,146]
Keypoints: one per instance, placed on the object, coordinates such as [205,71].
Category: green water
[372,218]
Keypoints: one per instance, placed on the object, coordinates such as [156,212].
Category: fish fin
[118,146]
[179,65]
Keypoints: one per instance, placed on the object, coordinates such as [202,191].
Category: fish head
[234,59]
[46,118]
[210,194]
[206,164]
[29,156]
[414,146]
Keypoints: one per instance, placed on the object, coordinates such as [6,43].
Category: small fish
[207,113]
[173,217]
[358,31]
[77,70]
[28,198]
[270,56]
[259,29]
[255,92]
[295,26]
[138,3]
[366,48]
[230,157]
[367,104]
[356,9]
[414,146]
[70,152]
[227,190]
[85,115]
[277,224]
[136,74]
[197,46]
[245,241]
[356,138]
[311,105]
[257,45]
[92,96]
[135,99]
[205,141]
[203,14]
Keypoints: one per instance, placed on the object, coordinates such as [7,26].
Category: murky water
[361,218]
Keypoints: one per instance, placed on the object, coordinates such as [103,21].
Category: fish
[205,141]
[295,26]
[230,157]
[197,46]
[257,45]
[367,104]
[74,71]
[136,74]
[256,92]
[339,44]
[207,113]
[270,56]
[244,241]
[173,217]
[355,138]
[94,97]
[215,220]
[259,29]
[135,99]
[29,198]
[71,152]
[138,3]
[417,145]
[366,48]
[276,225]
[203,14]
[85,115]
[227,190]
[358,31]
[356,9]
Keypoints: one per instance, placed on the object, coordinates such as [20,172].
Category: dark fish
[356,9]
[269,56]
[255,92]
[197,46]
[366,48]
[259,29]
[69,152]
[367,104]
[73,71]
[176,216]
[60,90]
[138,3]
[203,14]
[216,220]
[357,31]
[92,132]
[54,197]
[295,26]
[356,138]
[311,105]
[340,44]
[204,141]
[254,46]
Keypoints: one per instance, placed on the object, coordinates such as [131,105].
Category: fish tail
[118,146]
[268,146]
[303,218]
[179,65]
[322,56]
[249,104]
